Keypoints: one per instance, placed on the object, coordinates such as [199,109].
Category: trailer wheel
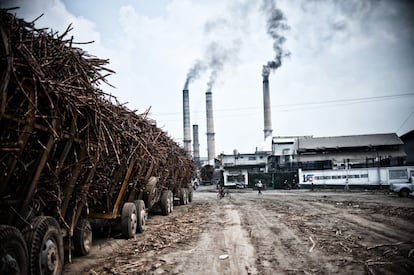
[404,193]
[82,237]
[186,195]
[190,194]
[45,245]
[166,202]
[141,215]
[171,201]
[129,220]
[13,251]
[183,196]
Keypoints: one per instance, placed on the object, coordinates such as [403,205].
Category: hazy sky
[350,69]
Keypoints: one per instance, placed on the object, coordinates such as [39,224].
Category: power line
[307,105]
[405,121]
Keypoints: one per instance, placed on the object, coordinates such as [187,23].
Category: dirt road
[279,232]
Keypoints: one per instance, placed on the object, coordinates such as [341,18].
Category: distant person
[346,187]
[259,186]
[220,189]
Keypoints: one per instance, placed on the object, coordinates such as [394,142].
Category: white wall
[227,173]
[359,176]
[244,159]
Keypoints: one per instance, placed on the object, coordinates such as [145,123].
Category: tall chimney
[211,150]
[186,122]
[266,106]
[196,145]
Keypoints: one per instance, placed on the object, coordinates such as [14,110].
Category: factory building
[408,139]
[357,160]
[304,161]
[308,152]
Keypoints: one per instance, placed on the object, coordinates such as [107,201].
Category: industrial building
[321,153]
[408,139]
[357,161]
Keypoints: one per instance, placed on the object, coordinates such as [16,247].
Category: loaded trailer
[71,154]
[145,187]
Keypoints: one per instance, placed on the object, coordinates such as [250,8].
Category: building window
[236,178]
[286,151]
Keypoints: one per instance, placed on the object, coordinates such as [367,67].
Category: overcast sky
[350,69]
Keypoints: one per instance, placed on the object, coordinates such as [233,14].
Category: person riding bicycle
[259,186]
[220,190]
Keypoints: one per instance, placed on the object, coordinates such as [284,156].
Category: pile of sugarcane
[64,143]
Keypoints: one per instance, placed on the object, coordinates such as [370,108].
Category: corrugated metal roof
[321,143]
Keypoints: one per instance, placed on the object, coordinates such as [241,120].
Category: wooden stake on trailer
[121,193]
[6,78]
[68,189]
[22,141]
[32,187]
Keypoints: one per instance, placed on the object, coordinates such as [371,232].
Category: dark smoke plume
[276,24]
[217,57]
[194,72]
[225,35]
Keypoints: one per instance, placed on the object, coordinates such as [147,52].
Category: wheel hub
[169,205]
[49,255]
[172,202]
[134,222]
[143,218]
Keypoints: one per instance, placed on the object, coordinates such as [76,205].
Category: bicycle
[224,193]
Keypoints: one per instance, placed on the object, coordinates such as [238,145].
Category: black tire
[82,238]
[404,193]
[45,245]
[13,251]
[165,203]
[129,220]
[141,215]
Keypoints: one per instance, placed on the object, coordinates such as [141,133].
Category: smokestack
[196,145]
[186,122]
[211,150]
[266,106]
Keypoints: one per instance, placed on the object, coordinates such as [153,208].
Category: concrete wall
[362,176]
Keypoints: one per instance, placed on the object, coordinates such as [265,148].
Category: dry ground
[279,232]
